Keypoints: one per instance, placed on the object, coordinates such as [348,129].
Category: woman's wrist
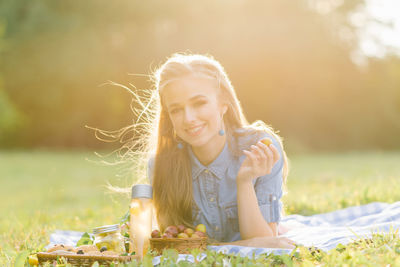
[242,181]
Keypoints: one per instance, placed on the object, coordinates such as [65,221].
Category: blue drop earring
[222,132]
[180,144]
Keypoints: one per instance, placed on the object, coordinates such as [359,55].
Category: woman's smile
[195,130]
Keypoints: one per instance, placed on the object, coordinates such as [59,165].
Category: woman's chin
[197,143]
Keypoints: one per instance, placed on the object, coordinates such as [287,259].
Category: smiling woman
[207,164]
[196,114]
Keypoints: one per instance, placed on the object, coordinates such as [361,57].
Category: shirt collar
[217,167]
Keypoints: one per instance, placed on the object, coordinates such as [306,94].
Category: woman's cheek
[207,111]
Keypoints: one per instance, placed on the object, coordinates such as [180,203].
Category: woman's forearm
[251,222]
[243,243]
[260,242]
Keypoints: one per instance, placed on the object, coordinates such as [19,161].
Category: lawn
[42,191]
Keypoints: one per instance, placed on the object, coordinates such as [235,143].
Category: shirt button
[212,199]
[206,171]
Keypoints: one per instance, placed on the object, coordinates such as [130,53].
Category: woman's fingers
[262,157]
[276,156]
[272,242]
[250,156]
[270,155]
[275,153]
[284,242]
[266,158]
[260,154]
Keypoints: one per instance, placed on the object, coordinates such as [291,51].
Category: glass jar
[141,209]
[109,236]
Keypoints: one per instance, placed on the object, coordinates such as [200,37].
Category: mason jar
[109,236]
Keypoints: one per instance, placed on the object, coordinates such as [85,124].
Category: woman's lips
[194,131]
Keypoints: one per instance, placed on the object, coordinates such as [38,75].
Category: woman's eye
[200,103]
[174,111]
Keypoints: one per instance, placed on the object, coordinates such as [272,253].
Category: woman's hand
[259,161]
[271,242]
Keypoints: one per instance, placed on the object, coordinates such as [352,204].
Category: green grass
[42,191]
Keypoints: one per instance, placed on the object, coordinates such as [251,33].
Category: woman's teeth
[195,130]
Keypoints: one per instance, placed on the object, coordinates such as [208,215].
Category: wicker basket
[83,260]
[182,245]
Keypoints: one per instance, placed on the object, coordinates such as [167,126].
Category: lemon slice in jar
[135,208]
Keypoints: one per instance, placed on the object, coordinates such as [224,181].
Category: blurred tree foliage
[10,118]
[285,60]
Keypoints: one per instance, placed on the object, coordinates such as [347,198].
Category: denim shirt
[215,192]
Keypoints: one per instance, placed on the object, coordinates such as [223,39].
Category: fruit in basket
[181,228]
[167,235]
[195,236]
[201,228]
[183,235]
[201,234]
[155,234]
[172,229]
[189,231]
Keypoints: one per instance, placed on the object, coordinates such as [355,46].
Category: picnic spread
[324,231]
[130,240]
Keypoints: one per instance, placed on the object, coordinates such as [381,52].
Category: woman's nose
[189,115]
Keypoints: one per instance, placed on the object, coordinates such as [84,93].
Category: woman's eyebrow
[194,98]
[197,97]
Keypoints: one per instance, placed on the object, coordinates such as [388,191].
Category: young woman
[208,165]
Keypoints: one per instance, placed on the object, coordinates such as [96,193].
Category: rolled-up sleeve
[268,190]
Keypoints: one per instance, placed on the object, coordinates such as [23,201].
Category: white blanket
[324,231]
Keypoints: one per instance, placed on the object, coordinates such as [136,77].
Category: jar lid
[142,191]
[106,229]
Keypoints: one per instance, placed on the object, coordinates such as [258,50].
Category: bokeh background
[325,73]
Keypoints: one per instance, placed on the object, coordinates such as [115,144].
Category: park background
[325,74]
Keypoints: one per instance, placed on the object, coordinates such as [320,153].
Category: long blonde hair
[171,176]
[172,180]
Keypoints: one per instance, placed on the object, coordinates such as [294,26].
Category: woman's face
[194,109]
